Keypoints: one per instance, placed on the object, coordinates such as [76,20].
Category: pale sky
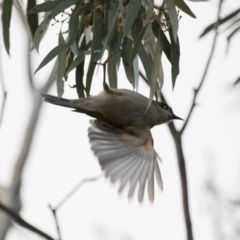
[60,156]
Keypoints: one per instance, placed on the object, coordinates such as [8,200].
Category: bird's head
[167,113]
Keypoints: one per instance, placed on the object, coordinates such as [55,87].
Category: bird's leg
[105,85]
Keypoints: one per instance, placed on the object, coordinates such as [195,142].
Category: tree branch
[13,198]
[15,216]
[3,90]
[75,189]
[196,91]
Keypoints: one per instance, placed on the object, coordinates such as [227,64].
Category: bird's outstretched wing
[129,157]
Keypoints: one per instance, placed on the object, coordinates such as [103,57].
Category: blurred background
[60,157]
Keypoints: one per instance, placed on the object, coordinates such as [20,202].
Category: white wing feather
[126,156]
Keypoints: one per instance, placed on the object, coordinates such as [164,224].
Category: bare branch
[15,216]
[196,91]
[54,212]
[75,189]
[13,197]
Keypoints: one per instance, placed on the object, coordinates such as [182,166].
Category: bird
[120,135]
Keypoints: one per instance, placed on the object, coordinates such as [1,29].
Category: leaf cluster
[128,30]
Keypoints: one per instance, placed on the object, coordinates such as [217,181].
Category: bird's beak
[176,117]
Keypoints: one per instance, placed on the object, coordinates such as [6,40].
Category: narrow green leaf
[165,43]
[175,57]
[221,21]
[44,24]
[131,14]
[79,79]
[114,45]
[138,42]
[75,63]
[126,49]
[6,18]
[32,19]
[136,72]
[73,26]
[70,57]
[112,72]
[96,48]
[237,81]
[98,33]
[173,17]
[42,7]
[146,61]
[231,25]
[61,67]
[149,12]
[184,7]
[231,35]
[136,27]
[85,9]
[156,69]
[91,68]
[112,16]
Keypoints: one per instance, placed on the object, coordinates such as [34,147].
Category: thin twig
[3,90]
[54,212]
[196,91]
[19,220]
[75,189]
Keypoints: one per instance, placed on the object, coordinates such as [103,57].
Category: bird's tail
[59,101]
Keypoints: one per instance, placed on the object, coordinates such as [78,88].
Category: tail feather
[58,101]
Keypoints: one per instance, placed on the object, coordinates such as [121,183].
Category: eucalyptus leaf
[42,7]
[73,26]
[70,57]
[79,79]
[96,48]
[184,7]
[126,50]
[114,45]
[221,21]
[237,29]
[75,63]
[149,12]
[6,18]
[32,19]
[165,43]
[173,17]
[137,43]
[136,72]
[112,72]
[156,70]
[146,61]
[175,57]
[85,9]
[112,16]
[61,67]
[44,24]
[237,81]
[131,14]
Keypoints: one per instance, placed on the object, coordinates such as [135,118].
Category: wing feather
[127,156]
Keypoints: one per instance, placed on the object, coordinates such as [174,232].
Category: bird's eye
[165,107]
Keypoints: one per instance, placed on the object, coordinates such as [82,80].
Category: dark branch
[54,212]
[15,216]
[196,91]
